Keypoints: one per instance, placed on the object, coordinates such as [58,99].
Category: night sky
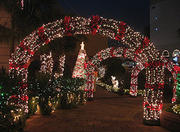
[134,12]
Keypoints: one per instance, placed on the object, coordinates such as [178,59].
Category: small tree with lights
[79,69]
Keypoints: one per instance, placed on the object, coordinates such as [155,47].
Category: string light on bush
[176,109]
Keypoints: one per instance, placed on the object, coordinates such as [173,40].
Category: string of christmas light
[153,91]
[145,51]
[165,53]
[61,64]
[134,79]
[22,4]
[176,109]
[61,67]
[47,63]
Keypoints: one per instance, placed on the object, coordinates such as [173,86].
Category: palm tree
[34,14]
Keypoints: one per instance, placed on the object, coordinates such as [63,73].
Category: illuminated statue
[114,82]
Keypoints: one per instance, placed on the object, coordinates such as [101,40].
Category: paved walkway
[107,113]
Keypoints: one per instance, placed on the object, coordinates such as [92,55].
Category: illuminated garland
[165,53]
[144,52]
[134,79]
[61,64]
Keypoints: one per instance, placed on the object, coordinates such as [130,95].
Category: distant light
[175,59]
[156,29]
[155,17]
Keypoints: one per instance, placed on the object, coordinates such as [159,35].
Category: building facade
[165,24]
[5,38]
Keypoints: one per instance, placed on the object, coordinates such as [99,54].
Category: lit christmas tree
[46,63]
[79,69]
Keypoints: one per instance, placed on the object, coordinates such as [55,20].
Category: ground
[107,113]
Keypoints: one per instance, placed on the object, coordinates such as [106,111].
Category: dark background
[134,12]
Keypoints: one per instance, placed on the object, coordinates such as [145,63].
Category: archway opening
[168,86]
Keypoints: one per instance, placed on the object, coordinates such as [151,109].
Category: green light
[2,94]
[0,87]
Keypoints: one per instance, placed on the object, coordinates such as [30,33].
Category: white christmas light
[47,63]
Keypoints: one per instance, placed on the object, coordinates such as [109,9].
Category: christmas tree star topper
[82,45]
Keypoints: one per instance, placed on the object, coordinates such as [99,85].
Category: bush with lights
[11,116]
[71,92]
[176,107]
[39,93]
[178,88]
[54,93]
[120,92]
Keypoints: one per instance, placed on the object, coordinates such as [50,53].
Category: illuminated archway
[139,67]
[110,53]
[118,30]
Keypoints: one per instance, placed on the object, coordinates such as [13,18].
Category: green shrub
[32,105]
[9,89]
[45,109]
[70,93]
[40,87]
